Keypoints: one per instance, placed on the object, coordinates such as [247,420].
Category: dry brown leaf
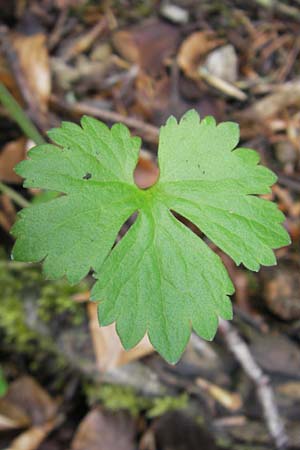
[7,78]
[108,349]
[12,416]
[147,45]
[34,63]
[194,48]
[26,394]
[27,403]
[103,431]
[32,438]
[12,153]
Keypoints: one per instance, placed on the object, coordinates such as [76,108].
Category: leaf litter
[115,89]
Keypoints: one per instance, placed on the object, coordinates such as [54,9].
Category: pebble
[223,63]
[174,13]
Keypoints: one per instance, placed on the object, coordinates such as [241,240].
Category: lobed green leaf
[161,278]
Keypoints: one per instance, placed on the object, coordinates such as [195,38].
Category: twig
[84,42]
[221,85]
[58,29]
[150,132]
[264,390]
[15,196]
[279,7]
[285,95]
[17,113]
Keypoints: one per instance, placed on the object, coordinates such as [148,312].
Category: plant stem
[15,196]
[17,113]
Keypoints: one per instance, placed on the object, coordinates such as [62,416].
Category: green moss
[12,320]
[28,302]
[161,405]
[56,299]
[116,398]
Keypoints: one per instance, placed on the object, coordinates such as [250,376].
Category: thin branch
[279,7]
[149,132]
[264,390]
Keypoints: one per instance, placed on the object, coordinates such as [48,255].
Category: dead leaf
[12,153]
[194,48]
[27,403]
[32,438]
[34,62]
[12,416]
[147,45]
[104,431]
[107,346]
[26,394]
[7,78]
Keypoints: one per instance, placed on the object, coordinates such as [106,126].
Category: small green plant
[3,384]
[161,278]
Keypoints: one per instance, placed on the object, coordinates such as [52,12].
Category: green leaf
[161,278]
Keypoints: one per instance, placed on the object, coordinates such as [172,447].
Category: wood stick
[264,390]
[149,132]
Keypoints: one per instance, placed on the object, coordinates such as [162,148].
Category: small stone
[174,13]
[223,63]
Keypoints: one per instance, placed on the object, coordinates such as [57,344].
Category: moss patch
[29,302]
[116,398]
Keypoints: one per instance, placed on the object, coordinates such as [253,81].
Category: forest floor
[66,383]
